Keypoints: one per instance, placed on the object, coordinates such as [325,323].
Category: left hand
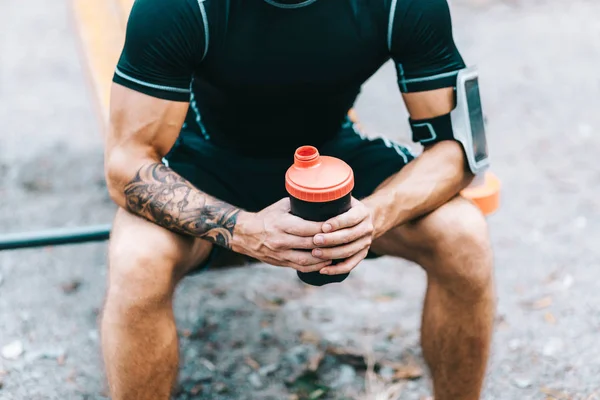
[347,236]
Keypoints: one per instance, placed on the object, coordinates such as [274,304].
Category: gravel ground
[256,333]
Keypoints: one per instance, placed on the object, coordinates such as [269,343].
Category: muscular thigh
[150,256]
[451,234]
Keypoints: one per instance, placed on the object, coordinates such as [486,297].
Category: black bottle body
[320,212]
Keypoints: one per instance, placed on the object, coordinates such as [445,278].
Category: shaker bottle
[319,188]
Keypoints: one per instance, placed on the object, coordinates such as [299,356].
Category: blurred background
[257,333]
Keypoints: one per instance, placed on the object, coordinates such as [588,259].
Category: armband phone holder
[465,124]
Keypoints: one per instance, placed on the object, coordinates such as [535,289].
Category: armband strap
[432,130]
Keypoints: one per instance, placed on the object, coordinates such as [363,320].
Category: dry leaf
[61,359]
[542,303]
[550,318]
[555,394]
[196,390]
[315,361]
[252,363]
[348,356]
[408,372]
[309,337]
[384,297]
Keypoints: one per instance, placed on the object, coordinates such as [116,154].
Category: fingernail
[327,227]
[319,239]
[317,252]
[324,271]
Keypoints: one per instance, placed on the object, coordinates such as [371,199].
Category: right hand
[277,237]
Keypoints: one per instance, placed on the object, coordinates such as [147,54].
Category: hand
[276,237]
[347,236]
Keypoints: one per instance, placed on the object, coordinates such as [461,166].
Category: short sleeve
[422,45]
[165,41]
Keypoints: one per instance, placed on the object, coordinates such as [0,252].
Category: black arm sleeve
[422,45]
[165,40]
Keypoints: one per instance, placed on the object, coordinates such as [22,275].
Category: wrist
[243,229]
[380,205]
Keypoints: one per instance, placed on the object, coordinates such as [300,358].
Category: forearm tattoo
[160,195]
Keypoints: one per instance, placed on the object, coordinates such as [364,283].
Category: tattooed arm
[161,196]
[142,130]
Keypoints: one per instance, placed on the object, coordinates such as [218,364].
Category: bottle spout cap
[306,157]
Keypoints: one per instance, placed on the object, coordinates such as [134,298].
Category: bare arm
[142,131]
[436,176]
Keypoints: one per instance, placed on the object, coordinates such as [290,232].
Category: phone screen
[480,148]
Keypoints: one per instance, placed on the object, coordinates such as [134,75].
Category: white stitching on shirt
[391,23]
[430,78]
[290,6]
[205,22]
[150,85]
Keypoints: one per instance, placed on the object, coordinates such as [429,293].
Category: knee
[140,279]
[459,252]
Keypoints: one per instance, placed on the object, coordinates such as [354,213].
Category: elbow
[451,153]
[118,172]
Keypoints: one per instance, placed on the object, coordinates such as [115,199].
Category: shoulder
[164,24]
[412,13]
[160,14]
[413,18]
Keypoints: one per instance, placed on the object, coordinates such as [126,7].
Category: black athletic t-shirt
[271,75]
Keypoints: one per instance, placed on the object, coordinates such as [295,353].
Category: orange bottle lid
[316,178]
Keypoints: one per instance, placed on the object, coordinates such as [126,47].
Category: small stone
[207,364]
[567,281]
[522,383]
[387,373]
[255,381]
[552,347]
[201,375]
[268,369]
[266,334]
[346,377]
[50,353]
[514,344]
[71,286]
[93,335]
[220,387]
[13,350]
[196,390]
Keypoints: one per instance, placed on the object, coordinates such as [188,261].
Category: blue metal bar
[54,237]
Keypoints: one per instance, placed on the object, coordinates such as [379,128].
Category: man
[210,100]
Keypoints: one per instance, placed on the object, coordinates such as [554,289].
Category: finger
[303,260]
[345,266]
[348,219]
[292,242]
[312,268]
[299,227]
[345,251]
[343,236]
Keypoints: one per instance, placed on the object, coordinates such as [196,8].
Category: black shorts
[253,183]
